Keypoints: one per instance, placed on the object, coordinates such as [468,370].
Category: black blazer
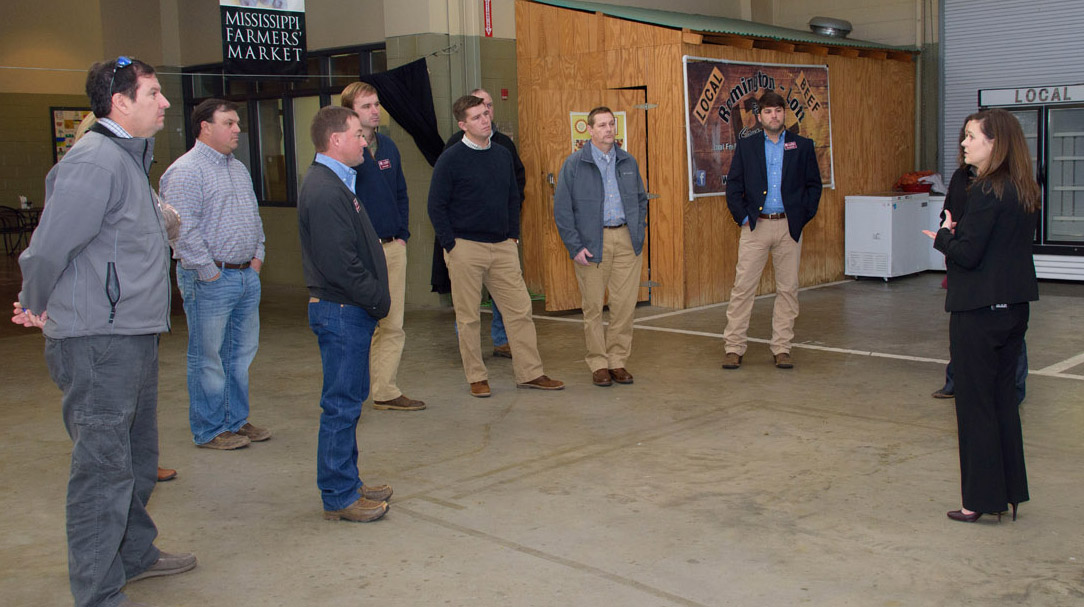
[747,182]
[989,257]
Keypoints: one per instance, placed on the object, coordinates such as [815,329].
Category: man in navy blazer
[773,189]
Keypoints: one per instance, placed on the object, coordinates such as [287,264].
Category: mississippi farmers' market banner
[720,104]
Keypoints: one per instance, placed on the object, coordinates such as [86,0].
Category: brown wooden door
[552,145]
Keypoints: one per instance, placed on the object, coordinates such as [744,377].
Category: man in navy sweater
[381,187]
[474,207]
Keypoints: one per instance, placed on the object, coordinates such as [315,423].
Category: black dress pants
[985,346]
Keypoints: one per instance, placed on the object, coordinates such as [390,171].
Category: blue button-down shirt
[347,174]
[613,213]
[773,160]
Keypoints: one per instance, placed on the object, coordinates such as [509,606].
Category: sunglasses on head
[121,63]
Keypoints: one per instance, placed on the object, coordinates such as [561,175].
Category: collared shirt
[220,218]
[773,161]
[117,129]
[348,175]
[475,146]
[613,212]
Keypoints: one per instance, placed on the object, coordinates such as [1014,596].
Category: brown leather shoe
[399,403]
[504,351]
[732,360]
[227,441]
[784,361]
[166,474]
[621,375]
[543,383]
[601,377]
[376,493]
[480,389]
[361,511]
[255,434]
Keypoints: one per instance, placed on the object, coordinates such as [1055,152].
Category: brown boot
[227,441]
[601,377]
[254,433]
[361,511]
[621,375]
[166,474]
[480,389]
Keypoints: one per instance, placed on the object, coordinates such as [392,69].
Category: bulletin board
[65,121]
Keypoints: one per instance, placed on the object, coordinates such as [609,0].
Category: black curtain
[406,94]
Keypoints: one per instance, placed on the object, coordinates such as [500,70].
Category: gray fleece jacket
[98,262]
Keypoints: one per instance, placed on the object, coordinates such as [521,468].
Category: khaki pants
[496,265]
[772,236]
[389,337]
[619,272]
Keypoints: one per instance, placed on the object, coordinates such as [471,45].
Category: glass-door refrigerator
[1052,118]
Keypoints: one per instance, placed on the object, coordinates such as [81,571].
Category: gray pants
[110,386]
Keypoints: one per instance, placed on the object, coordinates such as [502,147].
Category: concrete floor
[825,485]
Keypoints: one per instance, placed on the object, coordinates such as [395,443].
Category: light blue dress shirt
[613,212]
[773,160]
[347,174]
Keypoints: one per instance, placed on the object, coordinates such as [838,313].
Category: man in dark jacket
[773,189]
[96,280]
[347,279]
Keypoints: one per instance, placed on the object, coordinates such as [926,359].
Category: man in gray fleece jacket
[96,281]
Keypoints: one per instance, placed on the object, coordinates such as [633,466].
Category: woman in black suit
[991,279]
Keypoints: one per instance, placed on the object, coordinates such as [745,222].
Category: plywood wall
[694,244]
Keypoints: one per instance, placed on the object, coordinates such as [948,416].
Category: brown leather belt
[773,215]
[233,266]
[387,240]
[615,227]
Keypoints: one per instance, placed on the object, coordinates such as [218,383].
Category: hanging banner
[263,36]
[720,99]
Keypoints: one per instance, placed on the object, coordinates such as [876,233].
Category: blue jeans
[496,330]
[110,407]
[1021,376]
[223,335]
[344,333]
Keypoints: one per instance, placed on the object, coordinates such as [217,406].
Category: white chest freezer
[884,236]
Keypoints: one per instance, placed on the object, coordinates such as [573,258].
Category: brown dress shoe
[601,377]
[480,389]
[166,474]
[732,360]
[399,403]
[255,434]
[227,441]
[543,383]
[784,361]
[504,351]
[361,511]
[621,375]
[376,493]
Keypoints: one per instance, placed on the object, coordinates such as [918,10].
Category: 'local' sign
[263,36]
[1035,95]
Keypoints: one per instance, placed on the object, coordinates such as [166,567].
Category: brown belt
[615,227]
[233,266]
[773,215]
[387,240]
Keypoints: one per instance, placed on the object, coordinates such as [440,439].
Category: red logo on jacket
[384,164]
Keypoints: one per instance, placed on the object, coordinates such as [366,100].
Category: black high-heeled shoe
[959,515]
[1013,504]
